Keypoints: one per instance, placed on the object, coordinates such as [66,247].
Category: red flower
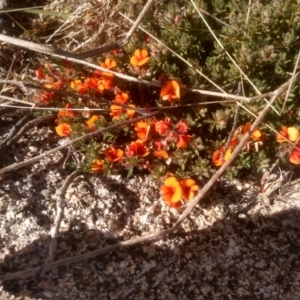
[170,91]
[161,127]
[40,73]
[113,155]
[295,155]
[182,126]
[183,140]
[137,148]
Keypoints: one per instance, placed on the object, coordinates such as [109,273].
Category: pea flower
[287,134]
[97,166]
[161,154]
[161,127]
[113,155]
[137,148]
[63,129]
[122,98]
[142,128]
[67,113]
[183,140]
[115,111]
[189,188]
[295,155]
[171,190]
[139,58]
[217,160]
[90,123]
[40,73]
[170,91]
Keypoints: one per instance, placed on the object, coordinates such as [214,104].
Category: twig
[60,204]
[137,80]
[90,53]
[234,125]
[4,144]
[28,126]
[156,235]
[121,43]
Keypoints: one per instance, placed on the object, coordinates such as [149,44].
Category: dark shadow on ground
[239,258]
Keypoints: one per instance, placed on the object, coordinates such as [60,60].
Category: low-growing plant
[193,135]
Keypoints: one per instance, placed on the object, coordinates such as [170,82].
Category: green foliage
[264,42]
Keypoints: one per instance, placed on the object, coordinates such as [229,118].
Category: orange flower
[47,96]
[63,129]
[142,128]
[295,155]
[139,58]
[122,98]
[108,63]
[182,126]
[189,188]
[256,134]
[130,111]
[183,140]
[217,156]
[40,73]
[113,154]
[161,127]
[115,111]
[97,166]
[90,123]
[79,86]
[105,84]
[257,137]
[161,153]
[137,148]
[67,113]
[92,83]
[288,133]
[170,91]
[171,190]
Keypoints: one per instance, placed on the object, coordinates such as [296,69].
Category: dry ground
[235,245]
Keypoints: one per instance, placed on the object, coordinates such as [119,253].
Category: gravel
[235,245]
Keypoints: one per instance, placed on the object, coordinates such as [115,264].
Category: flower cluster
[256,140]
[170,143]
[290,134]
[173,191]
